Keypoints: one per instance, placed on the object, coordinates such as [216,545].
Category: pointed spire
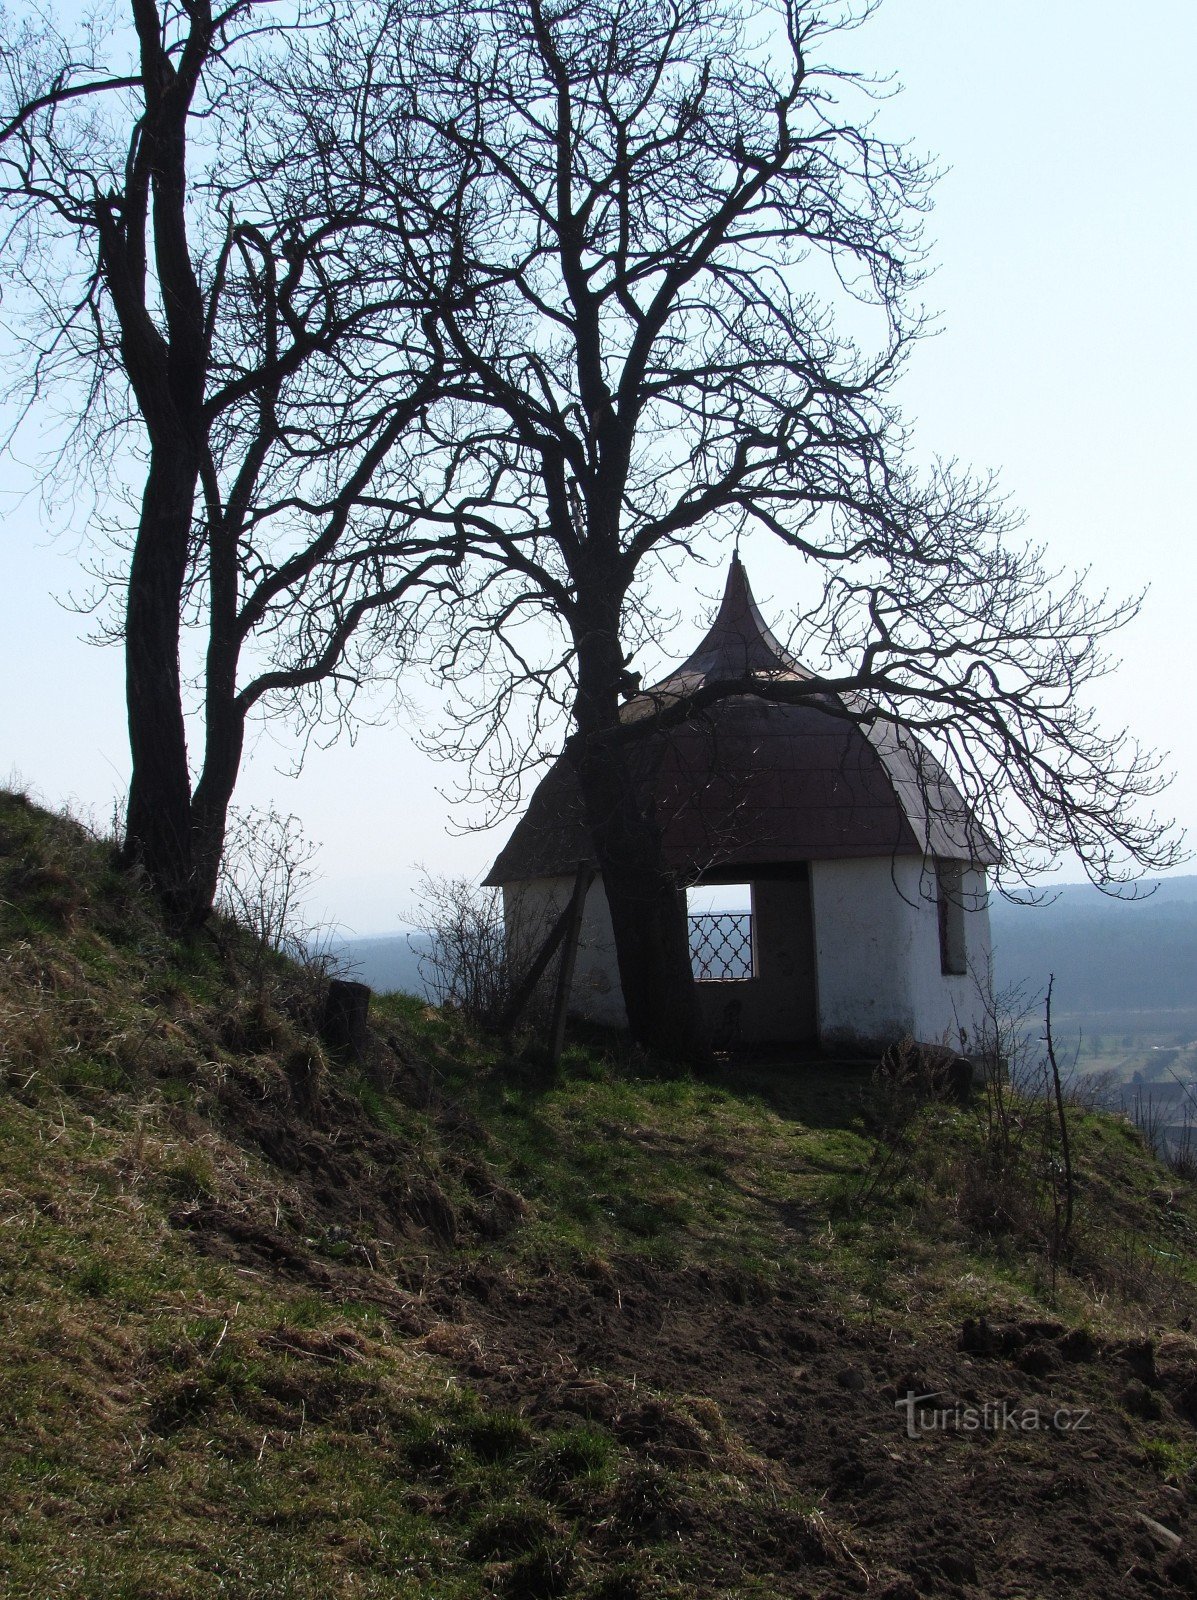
[740,641]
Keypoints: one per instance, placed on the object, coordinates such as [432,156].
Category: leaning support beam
[569,955]
[519,1000]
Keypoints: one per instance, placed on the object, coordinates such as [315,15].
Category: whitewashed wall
[876,936]
[877,943]
[948,1007]
[529,911]
[863,936]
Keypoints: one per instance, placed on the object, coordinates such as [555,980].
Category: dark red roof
[751,782]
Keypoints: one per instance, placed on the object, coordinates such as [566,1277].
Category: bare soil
[1048,1493]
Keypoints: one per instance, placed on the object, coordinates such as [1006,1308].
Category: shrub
[470,964]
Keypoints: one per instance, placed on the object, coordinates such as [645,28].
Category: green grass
[769,1172]
[175,1423]
[1174,1459]
[149,1397]
[607,1154]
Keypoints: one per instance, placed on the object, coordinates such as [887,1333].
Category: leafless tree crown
[695,273]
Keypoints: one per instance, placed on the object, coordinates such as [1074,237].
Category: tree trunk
[209,820]
[648,911]
[158,820]
[223,745]
[166,367]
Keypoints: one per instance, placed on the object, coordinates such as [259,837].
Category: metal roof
[753,783]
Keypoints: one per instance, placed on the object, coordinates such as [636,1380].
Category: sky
[1065,232]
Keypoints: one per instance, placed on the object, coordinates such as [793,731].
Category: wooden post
[345,1022]
[569,955]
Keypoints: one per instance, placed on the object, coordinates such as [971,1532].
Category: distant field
[1129,1046]
[1151,1043]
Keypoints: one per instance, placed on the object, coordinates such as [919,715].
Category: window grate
[721,947]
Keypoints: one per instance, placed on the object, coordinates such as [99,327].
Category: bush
[469,966]
[265,878]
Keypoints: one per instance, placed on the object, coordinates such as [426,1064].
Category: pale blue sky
[1066,235]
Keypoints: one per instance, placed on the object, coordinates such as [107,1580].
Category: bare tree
[695,271]
[265,879]
[469,964]
[555,292]
[199,283]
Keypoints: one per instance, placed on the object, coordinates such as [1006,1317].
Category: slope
[436,1323]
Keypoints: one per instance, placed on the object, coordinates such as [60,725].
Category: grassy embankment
[436,1325]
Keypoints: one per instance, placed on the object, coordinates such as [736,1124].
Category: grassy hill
[439,1324]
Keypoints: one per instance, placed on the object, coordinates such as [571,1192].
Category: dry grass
[229,1362]
[175,1423]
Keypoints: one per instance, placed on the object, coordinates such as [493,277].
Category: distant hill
[1106,954]
[390,964]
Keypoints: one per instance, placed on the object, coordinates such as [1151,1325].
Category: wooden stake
[569,955]
[521,997]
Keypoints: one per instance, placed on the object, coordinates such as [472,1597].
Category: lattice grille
[721,947]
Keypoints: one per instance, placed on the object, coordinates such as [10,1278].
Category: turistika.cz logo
[993,1416]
